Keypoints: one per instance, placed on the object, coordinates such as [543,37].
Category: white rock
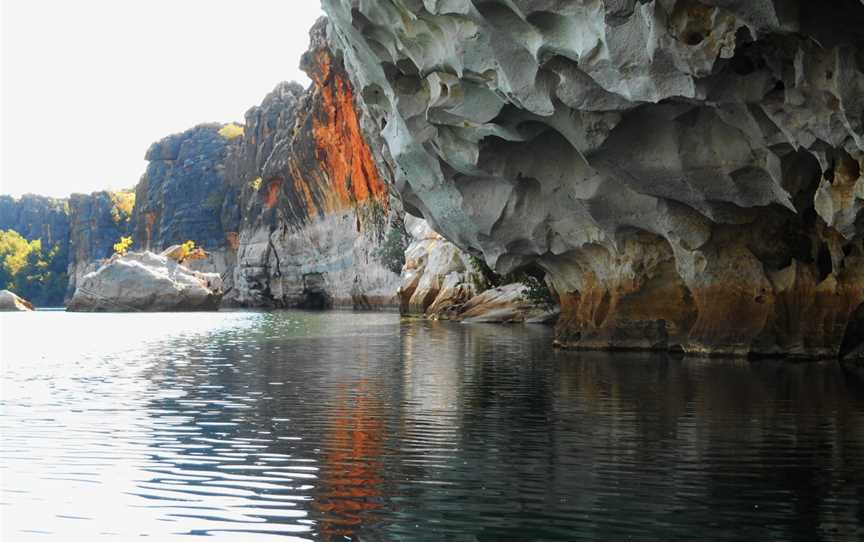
[10,302]
[143,281]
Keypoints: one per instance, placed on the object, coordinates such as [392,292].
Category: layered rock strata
[687,173]
[315,205]
[441,282]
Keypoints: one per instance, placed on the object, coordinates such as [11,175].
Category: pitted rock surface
[688,173]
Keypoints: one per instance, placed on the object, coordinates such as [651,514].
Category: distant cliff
[36,217]
[75,231]
[96,222]
[291,207]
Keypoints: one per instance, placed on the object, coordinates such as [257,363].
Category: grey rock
[687,173]
[9,302]
[143,281]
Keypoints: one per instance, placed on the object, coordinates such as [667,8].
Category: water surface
[344,426]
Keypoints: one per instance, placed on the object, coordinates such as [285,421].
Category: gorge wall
[291,208]
[315,206]
[687,173]
[80,230]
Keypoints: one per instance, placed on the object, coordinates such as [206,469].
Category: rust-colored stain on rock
[340,146]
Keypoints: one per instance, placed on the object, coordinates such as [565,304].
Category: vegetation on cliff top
[231,131]
[35,273]
[123,204]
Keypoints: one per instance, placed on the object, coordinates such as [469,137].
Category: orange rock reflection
[351,468]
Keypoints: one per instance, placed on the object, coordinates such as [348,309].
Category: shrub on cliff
[186,249]
[123,204]
[391,253]
[122,246]
[231,131]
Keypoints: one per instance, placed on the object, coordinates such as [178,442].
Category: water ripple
[335,426]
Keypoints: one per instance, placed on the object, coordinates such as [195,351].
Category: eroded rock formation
[437,277]
[315,207]
[688,173]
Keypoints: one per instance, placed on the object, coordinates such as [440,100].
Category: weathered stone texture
[688,173]
[146,282]
[315,206]
[95,226]
[36,217]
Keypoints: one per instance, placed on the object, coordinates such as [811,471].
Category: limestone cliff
[314,204]
[687,173]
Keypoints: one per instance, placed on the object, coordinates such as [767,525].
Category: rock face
[440,281]
[9,302]
[184,195]
[82,228]
[36,217]
[687,173]
[143,281]
[95,224]
[314,204]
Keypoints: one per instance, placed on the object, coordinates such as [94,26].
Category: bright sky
[87,85]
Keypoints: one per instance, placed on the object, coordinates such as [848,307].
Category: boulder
[437,277]
[505,304]
[143,281]
[10,302]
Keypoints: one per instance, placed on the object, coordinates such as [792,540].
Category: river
[367,426]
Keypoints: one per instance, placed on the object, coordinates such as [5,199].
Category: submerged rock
[143,281]
[687,173]
[10,302]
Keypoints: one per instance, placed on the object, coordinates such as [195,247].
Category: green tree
[31,271]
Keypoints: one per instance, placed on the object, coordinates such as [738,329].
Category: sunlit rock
[10,302]
[687,173]
[316,207]
[437,277]
[143,281]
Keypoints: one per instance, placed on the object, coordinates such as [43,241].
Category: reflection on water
[333,426]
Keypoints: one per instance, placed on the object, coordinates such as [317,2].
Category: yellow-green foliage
[15,250]
[124,202]
[186,248]
[122,246]
[231,131]
[34,274]
[256,184]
